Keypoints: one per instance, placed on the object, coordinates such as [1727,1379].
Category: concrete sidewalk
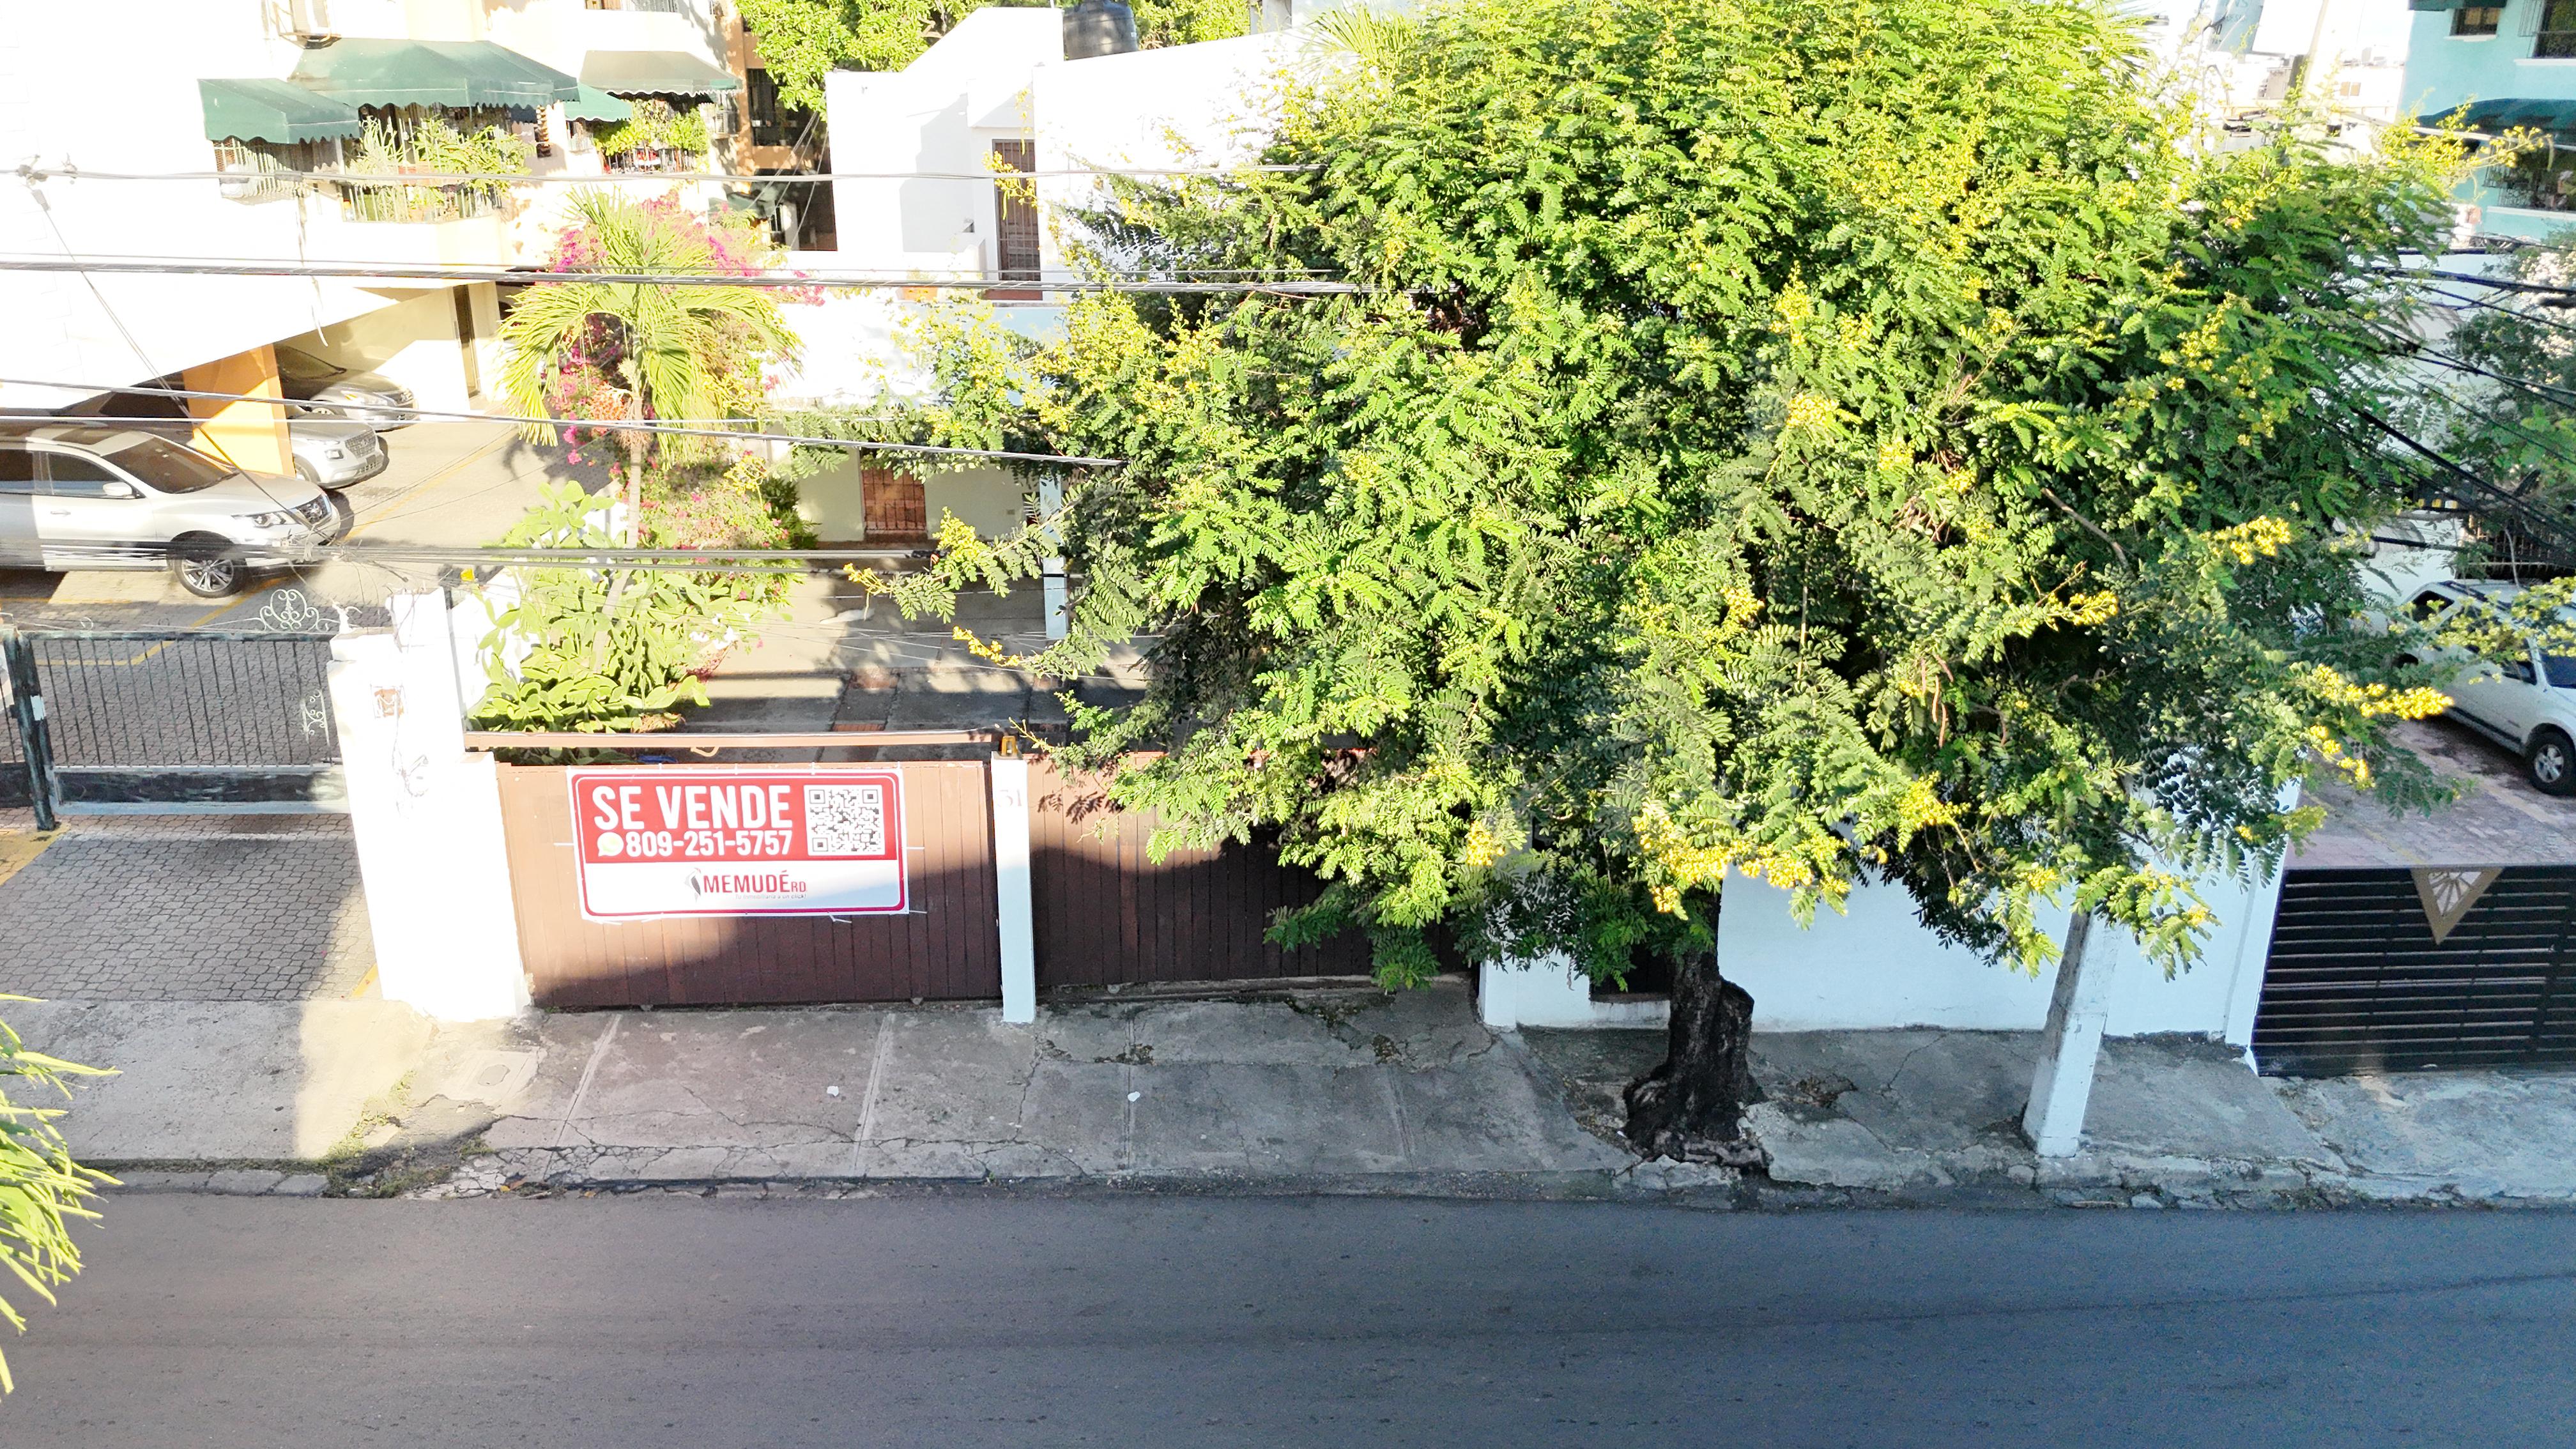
[1319,1089]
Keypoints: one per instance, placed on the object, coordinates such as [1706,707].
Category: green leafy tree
[600,352]
[42,1190]
[620,648]
[1877,442]
[802,41]
[600,649]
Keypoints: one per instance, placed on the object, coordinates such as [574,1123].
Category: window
[17,471]
[2562,671]
[69,475]
[773,121]
[167,466]
[2477,19]
[2557,38]
[2428,604]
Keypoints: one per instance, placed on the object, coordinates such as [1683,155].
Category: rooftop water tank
[1098,27]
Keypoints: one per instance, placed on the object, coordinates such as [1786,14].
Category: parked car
[334,452]
[2524,700]
[328,451]
[339,392]
[98,496]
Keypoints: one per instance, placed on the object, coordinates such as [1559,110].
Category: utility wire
[36,174]
[94,265]
[687,428]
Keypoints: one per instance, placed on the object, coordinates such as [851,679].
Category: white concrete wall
[940,114]
[1877,965]
[1211,104]
[2410,551]
[988,498]
[426,816]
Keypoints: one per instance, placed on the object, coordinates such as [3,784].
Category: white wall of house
[1877,965]
[1211,104]
[139,111]
[942,114]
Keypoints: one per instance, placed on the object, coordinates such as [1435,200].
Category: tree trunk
[630,493]
[1692,1106]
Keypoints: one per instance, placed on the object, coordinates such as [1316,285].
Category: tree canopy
[1885,441]
[802,41]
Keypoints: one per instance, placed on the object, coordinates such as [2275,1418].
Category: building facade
[199,139]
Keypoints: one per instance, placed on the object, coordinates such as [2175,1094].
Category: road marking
[17,850]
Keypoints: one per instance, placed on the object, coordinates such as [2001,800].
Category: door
[18,546]
[893,506]
[91,516]
[1016,250]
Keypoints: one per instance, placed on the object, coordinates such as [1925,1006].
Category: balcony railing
[421,203]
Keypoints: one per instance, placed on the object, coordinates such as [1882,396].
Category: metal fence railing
[206,699]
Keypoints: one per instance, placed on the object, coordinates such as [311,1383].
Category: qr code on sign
[845,819]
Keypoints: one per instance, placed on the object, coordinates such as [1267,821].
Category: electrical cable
[127,265]
[35,174]
[685,428]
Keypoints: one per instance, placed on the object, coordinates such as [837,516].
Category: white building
[915,149]
[283,82]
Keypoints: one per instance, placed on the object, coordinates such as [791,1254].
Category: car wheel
[2551,763]
[305,471]
[207,568]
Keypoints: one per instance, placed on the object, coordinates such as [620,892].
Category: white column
[426,817]
[1010,778]
[1051,577]
[2070,1045]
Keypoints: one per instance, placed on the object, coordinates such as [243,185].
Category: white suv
[96,496]
[2526,701]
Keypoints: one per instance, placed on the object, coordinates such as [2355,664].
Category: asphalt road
[1136,1321]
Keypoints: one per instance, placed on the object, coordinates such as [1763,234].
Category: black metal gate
[2357,980]
[110,721]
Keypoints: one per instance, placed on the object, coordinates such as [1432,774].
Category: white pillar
[426,816]
[1051,576]
[1010,776]
[2070,1045]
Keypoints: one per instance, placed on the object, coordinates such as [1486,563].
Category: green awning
[594,104]
[2434,5]
[654,73]
[2539,115]
[271,110]
[459,73]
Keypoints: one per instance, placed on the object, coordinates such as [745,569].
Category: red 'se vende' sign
[671,841]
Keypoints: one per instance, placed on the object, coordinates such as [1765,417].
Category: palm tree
[681,351]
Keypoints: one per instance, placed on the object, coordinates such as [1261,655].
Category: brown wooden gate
[1105,913]
[946,947]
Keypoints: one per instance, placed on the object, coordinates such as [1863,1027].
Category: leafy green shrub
[606,649]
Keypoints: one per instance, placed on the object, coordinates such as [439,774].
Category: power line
[35,174]
[516,276]
[686,428]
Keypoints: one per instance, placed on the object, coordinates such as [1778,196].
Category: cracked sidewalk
[1318,1088]
[1320,1085]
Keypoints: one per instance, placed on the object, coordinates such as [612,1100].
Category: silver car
[95,496]
[334,452]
